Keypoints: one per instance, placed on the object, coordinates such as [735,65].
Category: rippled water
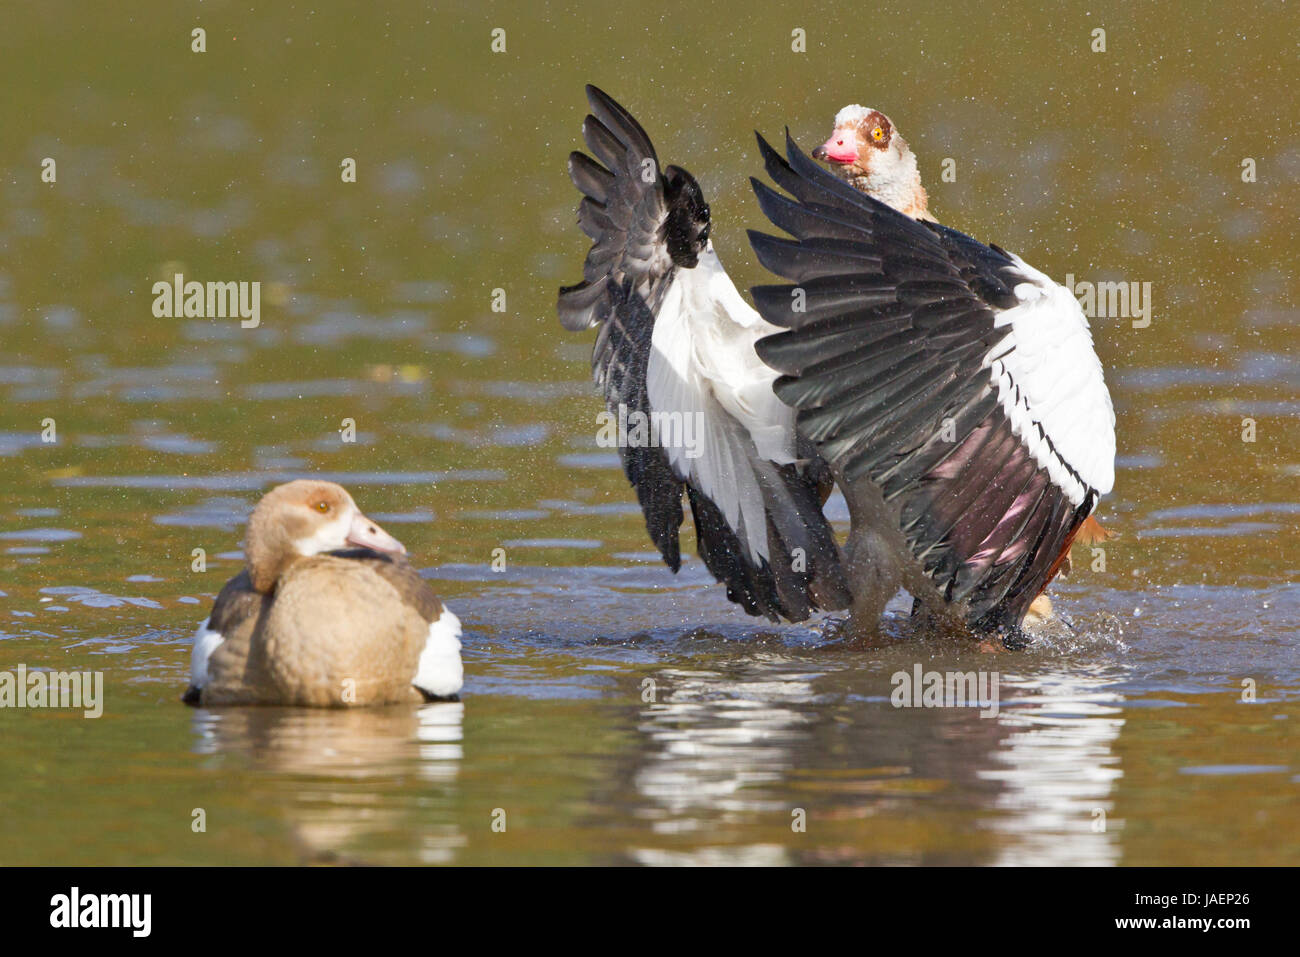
[612,711]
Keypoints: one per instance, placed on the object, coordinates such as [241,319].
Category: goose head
[304,518]
[866,151]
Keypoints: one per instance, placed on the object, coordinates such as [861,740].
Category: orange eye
[877,134]
[322,506]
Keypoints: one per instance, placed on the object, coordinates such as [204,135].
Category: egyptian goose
[327,613]
[948,389]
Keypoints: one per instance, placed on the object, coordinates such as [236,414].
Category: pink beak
[366,534]
[840,148]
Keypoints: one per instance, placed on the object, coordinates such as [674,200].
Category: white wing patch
[205,643]
[1050,383]
[440,672]
[703,365]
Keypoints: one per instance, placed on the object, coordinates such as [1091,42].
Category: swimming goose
[327,613]
[949,389]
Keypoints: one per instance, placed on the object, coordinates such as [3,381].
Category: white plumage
[440,672]
[1050,383]
[205,643]
[702,363]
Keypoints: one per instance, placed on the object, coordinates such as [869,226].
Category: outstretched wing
[692,401]
[959,380]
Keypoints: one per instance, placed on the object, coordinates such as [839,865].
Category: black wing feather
[644,229]
[888,325]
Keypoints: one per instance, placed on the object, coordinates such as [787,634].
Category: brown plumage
[328,612]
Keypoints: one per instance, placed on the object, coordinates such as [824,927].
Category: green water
[612,711]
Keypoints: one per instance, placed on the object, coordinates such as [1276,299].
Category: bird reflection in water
[383,779]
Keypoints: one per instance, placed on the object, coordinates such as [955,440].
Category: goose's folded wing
[691,401]
[959,380]
[219,655]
